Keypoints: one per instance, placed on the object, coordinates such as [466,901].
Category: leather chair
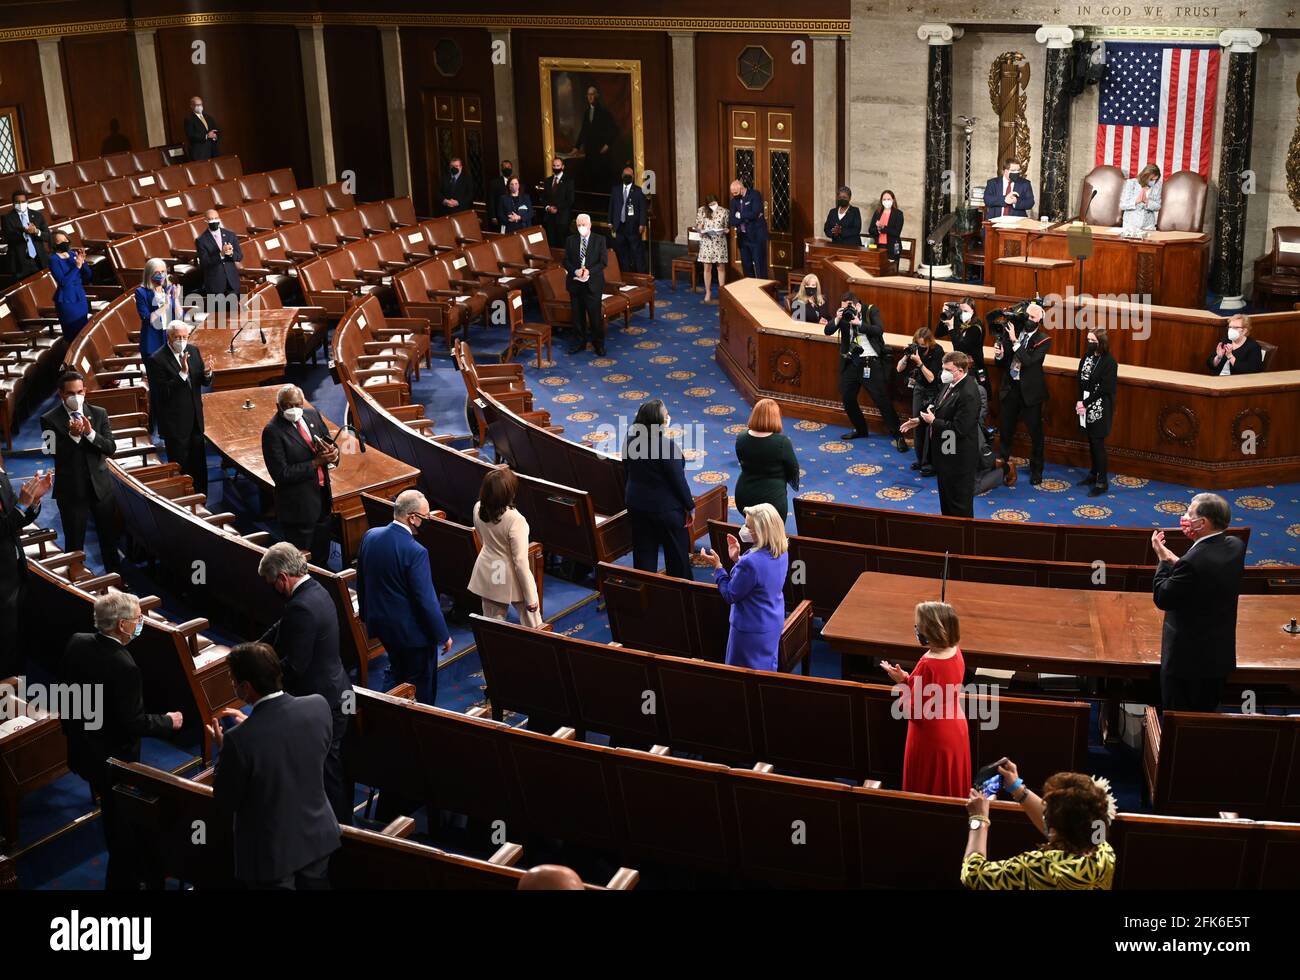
[1277,275]
[1108,182]
[1182,202]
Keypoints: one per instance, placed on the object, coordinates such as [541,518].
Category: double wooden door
[759,151]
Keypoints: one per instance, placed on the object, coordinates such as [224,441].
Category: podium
[1029,275]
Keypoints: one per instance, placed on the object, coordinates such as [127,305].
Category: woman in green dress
[767,463]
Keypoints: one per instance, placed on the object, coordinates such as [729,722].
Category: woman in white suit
[1139,202]
[502,576]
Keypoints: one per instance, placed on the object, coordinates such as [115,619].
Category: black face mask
[1092,347]
[61,248]
[557,170]
[627,179]
[843,202]
[920,638]
[213,225]
[455,171]
[507,171]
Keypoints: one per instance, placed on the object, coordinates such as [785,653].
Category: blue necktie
[25,220]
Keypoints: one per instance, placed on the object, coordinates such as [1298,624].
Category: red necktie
[306,437]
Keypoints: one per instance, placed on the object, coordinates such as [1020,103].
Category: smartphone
[991,786]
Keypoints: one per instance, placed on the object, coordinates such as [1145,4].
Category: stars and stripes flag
[1157,106]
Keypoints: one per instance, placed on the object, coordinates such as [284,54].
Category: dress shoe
[927,471]
[1009,473]
[600,351]
[1087,481]
[1035,478]
[901,444]
[916,465]
[1099,490]
[855,434]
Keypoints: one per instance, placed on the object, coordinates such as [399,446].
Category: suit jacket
[747,216]
[505,546]
[597,259]
[289,462]
[1199,596]
[13,563]
[1098,394]
[618,217]
[596,132]
[177,402]
[16,237]
[270,786]
[460,189]
[96,659]
[850,226]
[994,202]
[395,590]
[79,469]
[560,198]
[202,148]
[220,274]
[656,476]
[755,590]
[495,191]
[893,233]
[306,636]
[1249,358]
[523,205]
[1033,386]
[958,413]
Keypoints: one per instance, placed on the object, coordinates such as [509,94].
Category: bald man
[550,878]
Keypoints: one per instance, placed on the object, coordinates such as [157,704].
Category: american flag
[1157,106]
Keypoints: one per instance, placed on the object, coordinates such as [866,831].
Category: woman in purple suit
[755,588]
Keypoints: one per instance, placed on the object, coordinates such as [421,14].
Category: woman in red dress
[937,757]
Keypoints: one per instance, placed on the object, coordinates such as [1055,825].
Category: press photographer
[1020,348]
[923,361]
[958,322]
[863,365]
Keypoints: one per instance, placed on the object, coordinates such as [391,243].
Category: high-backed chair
[1182,202]
[1277,274]
[1108,182]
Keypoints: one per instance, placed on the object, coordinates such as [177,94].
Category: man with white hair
[177,375]
[585,258]
[100,666]
[298,452]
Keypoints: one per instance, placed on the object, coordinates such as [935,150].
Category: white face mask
[746,535]
[967,315]
[1234,334]
[945,376]
[73,403]
[178,346]
[887,202]
[293,415]
[198,109]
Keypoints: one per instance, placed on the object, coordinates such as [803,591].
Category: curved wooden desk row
[1182,428]
[1167,337]
[644,806]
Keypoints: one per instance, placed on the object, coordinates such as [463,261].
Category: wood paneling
[101,76]
[354,61]
[21,86]
[252,82]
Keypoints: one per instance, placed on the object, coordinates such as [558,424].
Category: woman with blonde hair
[767,462]
[808,303]
[502,575]
[159,303]
[754,588]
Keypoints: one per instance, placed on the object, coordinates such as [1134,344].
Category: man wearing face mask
[627,222]
[863,365]
[82,438]
[177,375]
[456,193]
[750,221]
[201,132]
[1198,593]
[558,206]
[219,254]
[584,266]
[498,189]
[1024,388]
[100,662]
[953,441]
[298,454]
[844,222]
[28,237]
[1011,194]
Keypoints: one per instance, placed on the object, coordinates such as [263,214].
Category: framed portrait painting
[591,118]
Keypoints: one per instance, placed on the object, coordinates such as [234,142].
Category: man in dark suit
[17,510]
[863,364]
[297,450]
[954,436]
[584,266]
[306,638]
[397,599]
[750,222]
[456,192]
[28,237]
[1024,388]
[627,222]
[176,379]
[497,189]
[1010,194]
[558,204]
[112,724]
[268,789]
[218,252]
[82,437]
[1198,592]
[596,141]
[201,132]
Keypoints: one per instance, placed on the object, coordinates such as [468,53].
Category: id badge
[911,382]
[1015,370]
[866,371]
[631,211]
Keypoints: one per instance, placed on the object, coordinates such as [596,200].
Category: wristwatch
[977,822]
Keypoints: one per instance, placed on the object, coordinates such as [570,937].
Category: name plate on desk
[1288,246]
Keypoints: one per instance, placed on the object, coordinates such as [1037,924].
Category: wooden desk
[1063,631]
[252,363]
[1180,427]
[1169,266]
[236,433]
[818,251]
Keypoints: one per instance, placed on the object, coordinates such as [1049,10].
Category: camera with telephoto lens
[950,312]
[1017,317]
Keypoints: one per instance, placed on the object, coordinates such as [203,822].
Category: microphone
[1083,218]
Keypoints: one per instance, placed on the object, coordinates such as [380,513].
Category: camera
[950,312]
[1016,316]
[912,348]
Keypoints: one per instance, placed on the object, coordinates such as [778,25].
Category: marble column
[315,85]
[686,164]
[155,120]
[395,98]
[1234,162]
[939,179]
[503,88]
[56,105]
[825,128]
[1054,151]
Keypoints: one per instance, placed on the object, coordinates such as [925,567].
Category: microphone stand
[933,239]
[1083,220]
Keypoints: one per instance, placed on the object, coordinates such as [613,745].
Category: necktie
[184,366]
[582,253]
[1007,210]
[206,127]
[25,221]
[306,437]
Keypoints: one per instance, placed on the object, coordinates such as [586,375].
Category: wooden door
[453,127]
[759,151]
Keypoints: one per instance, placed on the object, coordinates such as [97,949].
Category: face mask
[139,628]
[198,109]
[507,171]
[1187,524]
[213,225]
[627,179]
[61,248]
[843,202]
[810,287]
[966,316]
[945,376]
[178,346]
[455,171]
[21,206]
[1092,347]
[746,535]
[557,170]
[73,403]
[1234,335]
[887,202]
[293,415]
[1014,174]
[160,277]
[919,638]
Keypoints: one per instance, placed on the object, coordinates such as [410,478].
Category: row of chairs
[91,170]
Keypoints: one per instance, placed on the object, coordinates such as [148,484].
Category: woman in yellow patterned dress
[1073,813]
